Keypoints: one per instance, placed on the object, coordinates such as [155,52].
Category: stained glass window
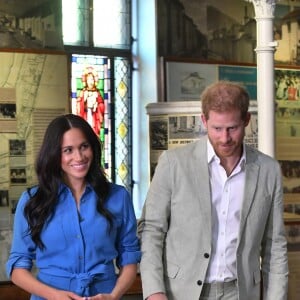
[101,76]
[123,120]
[91,97]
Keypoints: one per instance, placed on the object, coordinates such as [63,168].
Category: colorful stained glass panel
[90,97]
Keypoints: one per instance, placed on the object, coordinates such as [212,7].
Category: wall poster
[32,86]
[185,79]
[174,124]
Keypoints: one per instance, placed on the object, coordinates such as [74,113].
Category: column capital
[263,8]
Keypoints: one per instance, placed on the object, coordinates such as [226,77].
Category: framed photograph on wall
[186,79]
[8,109]
[18,175]
[4,200]
[17,147]
[31,24]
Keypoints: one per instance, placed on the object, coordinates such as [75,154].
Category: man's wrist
[157,296]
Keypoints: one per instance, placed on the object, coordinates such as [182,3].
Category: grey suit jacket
[175,227]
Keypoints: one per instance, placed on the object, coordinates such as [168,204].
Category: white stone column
[264,15]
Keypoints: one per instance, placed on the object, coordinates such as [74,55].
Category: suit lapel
[200,175]
[251,181]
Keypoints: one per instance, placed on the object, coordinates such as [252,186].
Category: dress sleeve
[128,245]
[22,251]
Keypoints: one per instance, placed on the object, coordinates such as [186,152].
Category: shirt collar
[64,187]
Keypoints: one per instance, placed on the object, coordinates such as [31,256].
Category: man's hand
[157,296]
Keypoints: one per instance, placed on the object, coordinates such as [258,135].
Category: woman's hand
[25,280]
[101,297]
[63,295]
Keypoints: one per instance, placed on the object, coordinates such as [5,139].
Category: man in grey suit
[212,224]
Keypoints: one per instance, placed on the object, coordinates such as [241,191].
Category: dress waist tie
[79,283]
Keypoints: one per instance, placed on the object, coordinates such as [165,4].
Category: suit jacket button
[199,282]
[206,255]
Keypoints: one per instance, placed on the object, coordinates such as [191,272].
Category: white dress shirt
[227,194]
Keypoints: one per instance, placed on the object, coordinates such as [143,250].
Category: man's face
[226,132]
[90,81]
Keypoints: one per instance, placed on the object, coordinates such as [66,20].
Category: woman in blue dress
[75,226]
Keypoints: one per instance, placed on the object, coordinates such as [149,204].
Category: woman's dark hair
[41,205]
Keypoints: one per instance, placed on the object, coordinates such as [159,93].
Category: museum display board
[173,124]
[33,90]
